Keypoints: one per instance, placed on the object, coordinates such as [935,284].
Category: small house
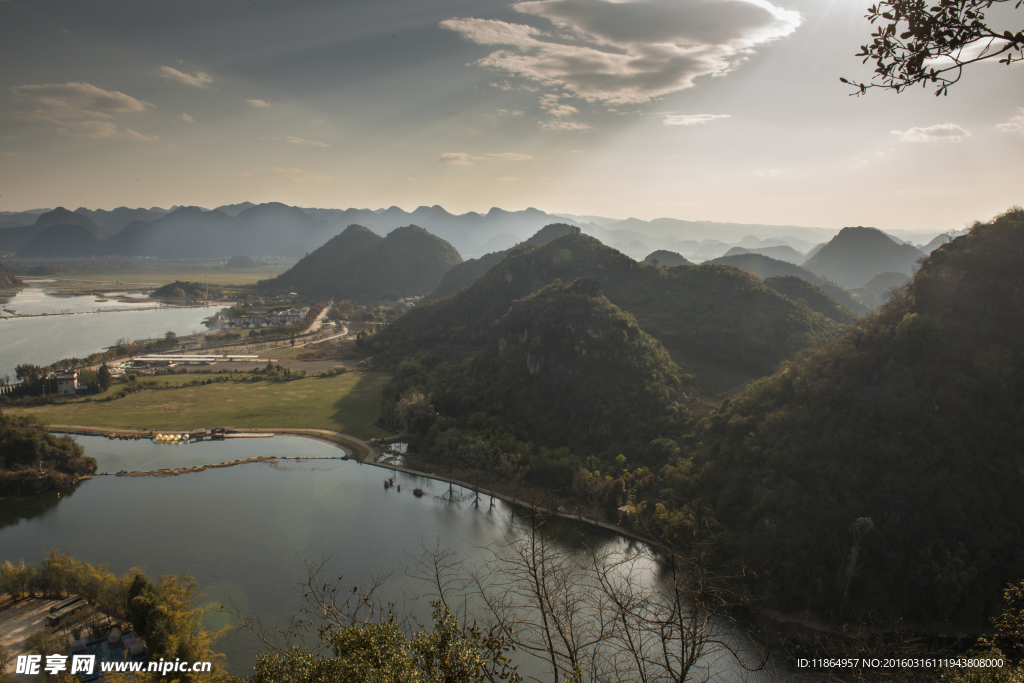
[67,383]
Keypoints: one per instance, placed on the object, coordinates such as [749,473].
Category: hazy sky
[725,110]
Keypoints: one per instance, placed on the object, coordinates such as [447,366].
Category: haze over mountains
[274,229]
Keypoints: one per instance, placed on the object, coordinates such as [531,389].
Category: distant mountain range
[274,229]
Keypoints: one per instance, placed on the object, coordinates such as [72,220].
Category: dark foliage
[817,300]
[709,312]
[913,33]
[32,460]
[359,265]
[466,273]
[882,471]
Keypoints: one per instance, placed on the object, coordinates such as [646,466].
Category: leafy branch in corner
[917,43]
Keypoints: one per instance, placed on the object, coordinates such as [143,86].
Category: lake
[44,340]
[245,532]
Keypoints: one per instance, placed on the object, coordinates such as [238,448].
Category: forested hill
[856,255]
[562,368]
[766,267]
[709,312]
[818,300]
[882,472]
[327,268]
[469,271]
[357,264]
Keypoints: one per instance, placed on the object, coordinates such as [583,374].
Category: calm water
[244,532]
[43,340]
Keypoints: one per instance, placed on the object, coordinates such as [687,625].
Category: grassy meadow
[346,403]
[92,275]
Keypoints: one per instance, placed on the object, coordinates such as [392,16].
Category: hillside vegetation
[359,265]
[666,258]
[466,273]
[32,460]
[766,267]
[816,299]
[708,312]
[882,472]
[564,367]
[186,290]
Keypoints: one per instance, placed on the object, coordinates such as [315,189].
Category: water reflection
[245,532]
[20,508]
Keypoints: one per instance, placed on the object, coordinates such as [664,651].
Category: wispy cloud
[458,158]
[627,52]
[68,101]
[509,112]
[508,156]
[943,132]
[564,125]
[258,103]
[186,118]
[467,159]
[79,109]
[1015,124]
[102,129]
[670,119]
[196,80]
[300,141]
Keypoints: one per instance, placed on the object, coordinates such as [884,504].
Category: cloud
[670,119]
[627,52]
[258,103]
[458,158]
[551,105]
[69,101]
[509,112]
[196,80]
[564,125]
[186,118]
[80,109]
[1015,124]
[299,141]
[467,159]
[102,129]
[943,132]
[508,156]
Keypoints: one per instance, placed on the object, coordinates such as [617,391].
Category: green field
[346,403]
[92,275]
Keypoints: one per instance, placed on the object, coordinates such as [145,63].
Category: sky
[719,110]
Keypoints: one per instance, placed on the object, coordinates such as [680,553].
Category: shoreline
[366,453]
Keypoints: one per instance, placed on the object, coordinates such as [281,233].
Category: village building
[67,383]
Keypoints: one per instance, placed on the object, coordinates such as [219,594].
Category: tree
[104,377]
[931,41]
[171,338]
[416,413]
[360,639]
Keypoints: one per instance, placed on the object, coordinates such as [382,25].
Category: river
[245,532]
[43,340]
